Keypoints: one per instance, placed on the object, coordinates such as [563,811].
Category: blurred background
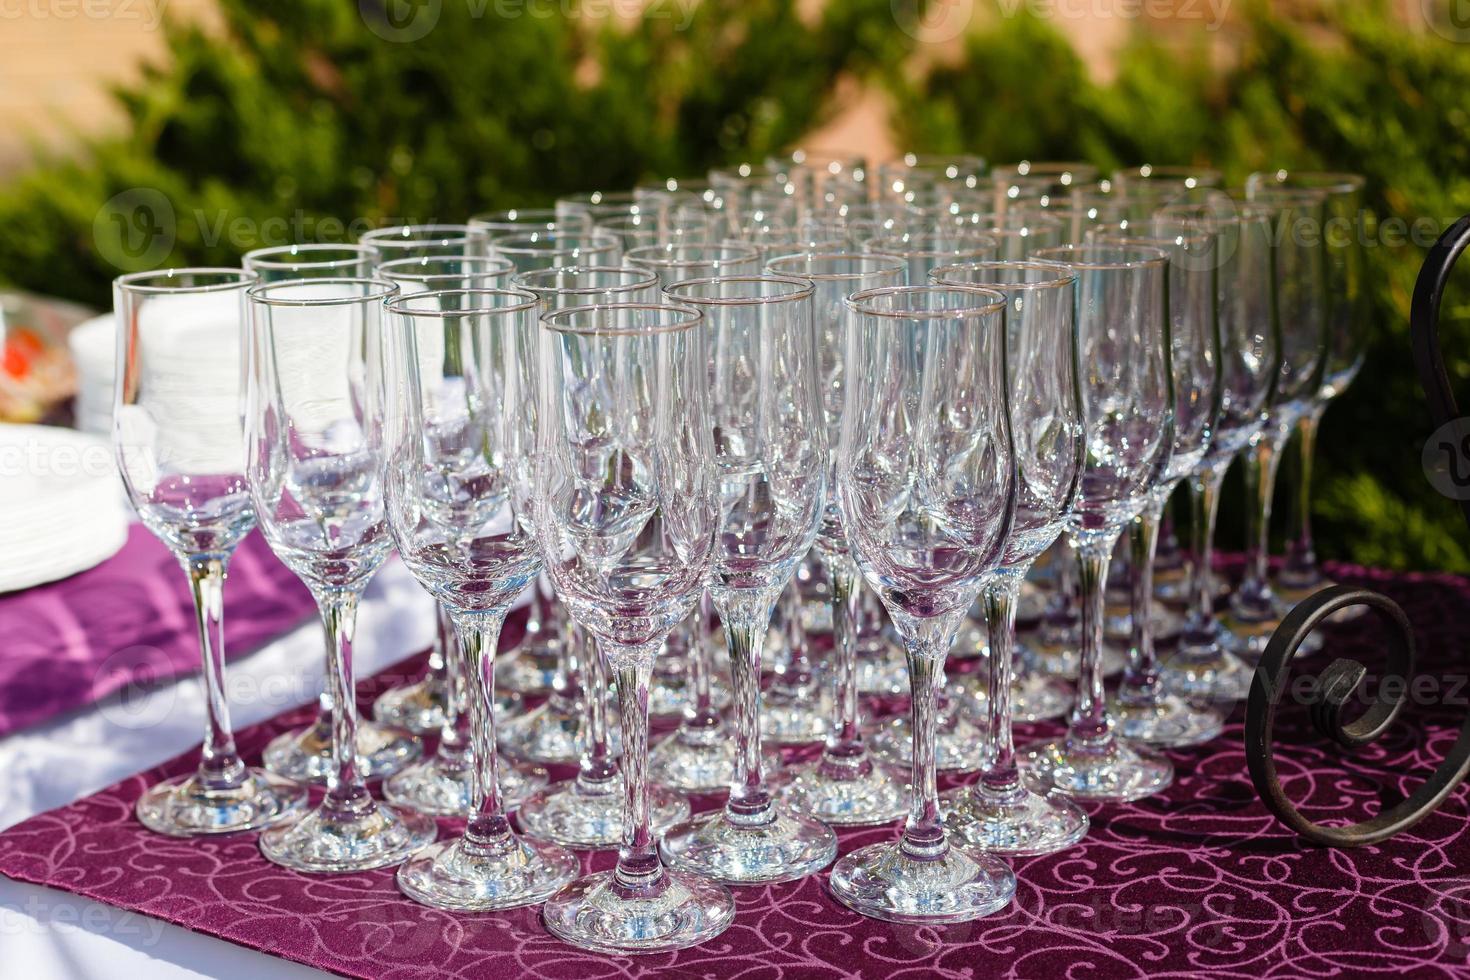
[147,133]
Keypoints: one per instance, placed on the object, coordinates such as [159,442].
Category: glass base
[701,762]
[443,789]
[883,882]
[881,668]
[960,744]
[525,672]
[1207,673]
[1034,697]
[669,698]
[582,816]
[1062,660]
[1108,769]
[184,807]
[1171,721]
[1018,822]
[596,913]
[305,755]
[786,847]
[1167,625]
[417,707]
[550,734]
[846,792]
[795,718]
[507,874]
[1247,638]
[327,841]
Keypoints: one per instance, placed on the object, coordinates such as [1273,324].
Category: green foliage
[305,110]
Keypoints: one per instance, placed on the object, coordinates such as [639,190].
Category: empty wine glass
[453,440]
[675,263]
[545,249]
[1300,575]
[926,251]
[1039,181]
[177,439]
[1143,709]
[312,261]
[845,785]
[521,221]
[999,813]
[626,504]
[437,273]
[1128,406]
[419,241]
[823,178]
[1299,295]
[914,175]
[314,393]
[771,460]
[926,481]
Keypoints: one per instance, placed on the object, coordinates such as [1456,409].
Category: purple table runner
[1198,879]
[130,621]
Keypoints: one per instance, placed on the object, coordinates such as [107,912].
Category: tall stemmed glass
[386,746]
[453,441]
[771,460]
[626,511]
[586,811]
[1128,419]
[926,479]
[845,785]
[1249,355]
[1143,709]
[698,756]
[999,813]
[1300,575]
[176,434]
[1299,293]
[314,397]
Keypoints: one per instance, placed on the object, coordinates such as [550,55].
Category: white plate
[61,505]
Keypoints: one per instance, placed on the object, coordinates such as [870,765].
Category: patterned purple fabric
[130,621]
[1198,879]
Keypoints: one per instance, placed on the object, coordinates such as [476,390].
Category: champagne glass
[1048,180]
[544,250]
[823,178]
[1143,709]
[926,482]
[176,434]
[999,813]
[1128,418]
[698,756]
[926,251]
[1299,295]
[845,785]
[453,438]
[419,241]
[1300,575]
[387,746]
[771,460]
[626,505]
[520,221]
[915,174]
[314,395]
[675,263]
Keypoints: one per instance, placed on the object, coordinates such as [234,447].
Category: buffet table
[1198,879]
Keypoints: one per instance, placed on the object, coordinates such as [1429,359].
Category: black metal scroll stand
[1336,683]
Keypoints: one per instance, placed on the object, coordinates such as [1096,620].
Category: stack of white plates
[62,508]
[94,350]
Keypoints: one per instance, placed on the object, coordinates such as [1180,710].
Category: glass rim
[528,301]
[393,267]
[259,256]
[553,241]
[382,289]
[1047,168]
[690,317]
[1149,240]
[828,156]
[649,253]
[899,264]
[1159,258]
[926,161]
[423,235]
[138,282]
[648,279]
[804,288]
[1331,181]
[503,216]
[1180,172]
[1064,274]
[979,239]
[860,302]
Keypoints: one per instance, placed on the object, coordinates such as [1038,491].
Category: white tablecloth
[47,934]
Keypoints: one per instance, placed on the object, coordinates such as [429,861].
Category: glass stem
[1300,568]
[923,832]
[346,790]
[746,618]
[438,673]
[638,873]
[1204,496]
[220,767]
[1060,617]
[1002,775]
[1089,721]
[1141,683]
[479,636]
[1254,598]
[795,675]
[596,766]
[845,739]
